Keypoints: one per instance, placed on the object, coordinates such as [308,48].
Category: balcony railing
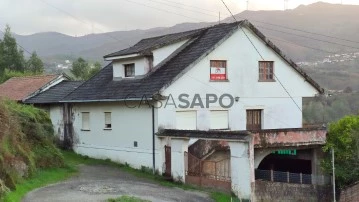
[288,177]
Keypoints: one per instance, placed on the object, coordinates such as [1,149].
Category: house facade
[223,83]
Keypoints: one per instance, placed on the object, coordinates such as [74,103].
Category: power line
[304,31]
[285,41]
[183,8]
[261,56]
[18,45]
[199,8]
[145,5]
[330,42]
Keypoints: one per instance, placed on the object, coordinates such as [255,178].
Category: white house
[220,79]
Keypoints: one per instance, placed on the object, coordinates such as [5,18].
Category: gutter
[103,100]
[153,142]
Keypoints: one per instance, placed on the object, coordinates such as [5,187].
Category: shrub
[27,142]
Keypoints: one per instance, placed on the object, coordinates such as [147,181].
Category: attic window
[266,71]
[129,70]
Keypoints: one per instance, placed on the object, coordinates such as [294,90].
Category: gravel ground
[98,183]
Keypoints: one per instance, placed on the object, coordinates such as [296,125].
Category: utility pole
[334,199]
[285,4]
[247,4]
[219,17]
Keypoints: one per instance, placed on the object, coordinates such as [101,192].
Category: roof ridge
[34,76]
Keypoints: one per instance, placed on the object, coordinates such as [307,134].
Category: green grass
[127,199]
[72,160]
[40,179]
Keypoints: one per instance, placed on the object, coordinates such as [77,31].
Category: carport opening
[292,166]
[286,164]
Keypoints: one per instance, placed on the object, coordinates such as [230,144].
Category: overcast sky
[80,17]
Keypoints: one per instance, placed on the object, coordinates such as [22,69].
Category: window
[129,70]
[219,120]
[85,120]
[108,120]
[254,119]
[186,120]
[266,71]
[218,70]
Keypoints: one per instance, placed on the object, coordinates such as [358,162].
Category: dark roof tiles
[103,87]
[55,93]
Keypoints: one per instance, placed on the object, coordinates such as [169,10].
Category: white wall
[128,125]
[279,111]
[56,115]
[162,53]
[140,67]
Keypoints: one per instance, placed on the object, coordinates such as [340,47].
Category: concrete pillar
[241,169]
[178,147]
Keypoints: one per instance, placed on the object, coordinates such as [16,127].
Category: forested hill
[299,32]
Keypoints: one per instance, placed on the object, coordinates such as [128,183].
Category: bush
[27,142]
[343,136]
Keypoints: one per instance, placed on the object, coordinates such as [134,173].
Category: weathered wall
[350,194]
[56,115]
[284,192]
[291,137]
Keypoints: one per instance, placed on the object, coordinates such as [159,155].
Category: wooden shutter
[219,119]
[254,119]
[186,120]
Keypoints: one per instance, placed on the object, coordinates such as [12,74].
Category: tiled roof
[147,45]
[55,93]
[18,88]
[102,87]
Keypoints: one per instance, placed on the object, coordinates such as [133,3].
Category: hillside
[335,20]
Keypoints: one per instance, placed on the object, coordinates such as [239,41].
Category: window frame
[110,119]
[83,128]
[254,127]
[210,117]
[219,66]
[130,65]
[187,111]
[266,73]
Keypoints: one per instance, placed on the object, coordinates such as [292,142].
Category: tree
[13,58]
[82,70]
[2,61]
[348,89]
[35,64]
[96,68]
[343,137]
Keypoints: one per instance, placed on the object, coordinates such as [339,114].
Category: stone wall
[350,194]
[283,192]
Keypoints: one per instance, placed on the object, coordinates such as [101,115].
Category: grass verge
[39,179]
[72,160]
[127,199]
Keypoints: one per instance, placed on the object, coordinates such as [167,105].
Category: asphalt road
[99,183]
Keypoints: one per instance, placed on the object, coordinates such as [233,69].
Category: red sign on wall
[218,70]
[218,73]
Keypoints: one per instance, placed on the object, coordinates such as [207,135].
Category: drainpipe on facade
[153,142]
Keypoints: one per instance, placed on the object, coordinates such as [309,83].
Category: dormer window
[130,70]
